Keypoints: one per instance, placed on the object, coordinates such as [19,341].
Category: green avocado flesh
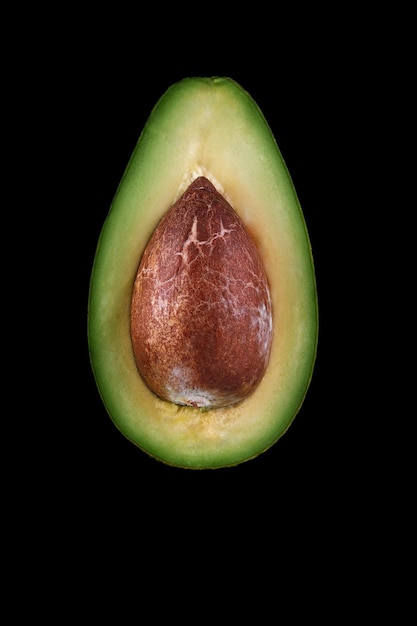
[207,127]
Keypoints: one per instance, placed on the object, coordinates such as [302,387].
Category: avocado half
[205,127]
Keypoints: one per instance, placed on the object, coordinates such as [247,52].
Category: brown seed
[201,319]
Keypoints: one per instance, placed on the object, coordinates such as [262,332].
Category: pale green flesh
[210,127]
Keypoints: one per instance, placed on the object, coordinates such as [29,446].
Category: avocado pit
[201,316]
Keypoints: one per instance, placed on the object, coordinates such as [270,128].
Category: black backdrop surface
[92,88]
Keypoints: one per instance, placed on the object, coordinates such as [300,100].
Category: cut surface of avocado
[207,127]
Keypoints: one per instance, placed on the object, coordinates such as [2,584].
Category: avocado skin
[205,126]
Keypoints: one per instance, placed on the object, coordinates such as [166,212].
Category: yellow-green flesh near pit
[210,127]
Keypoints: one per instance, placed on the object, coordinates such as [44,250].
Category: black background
[308,500]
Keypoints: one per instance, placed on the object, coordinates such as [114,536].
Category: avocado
[209,134]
